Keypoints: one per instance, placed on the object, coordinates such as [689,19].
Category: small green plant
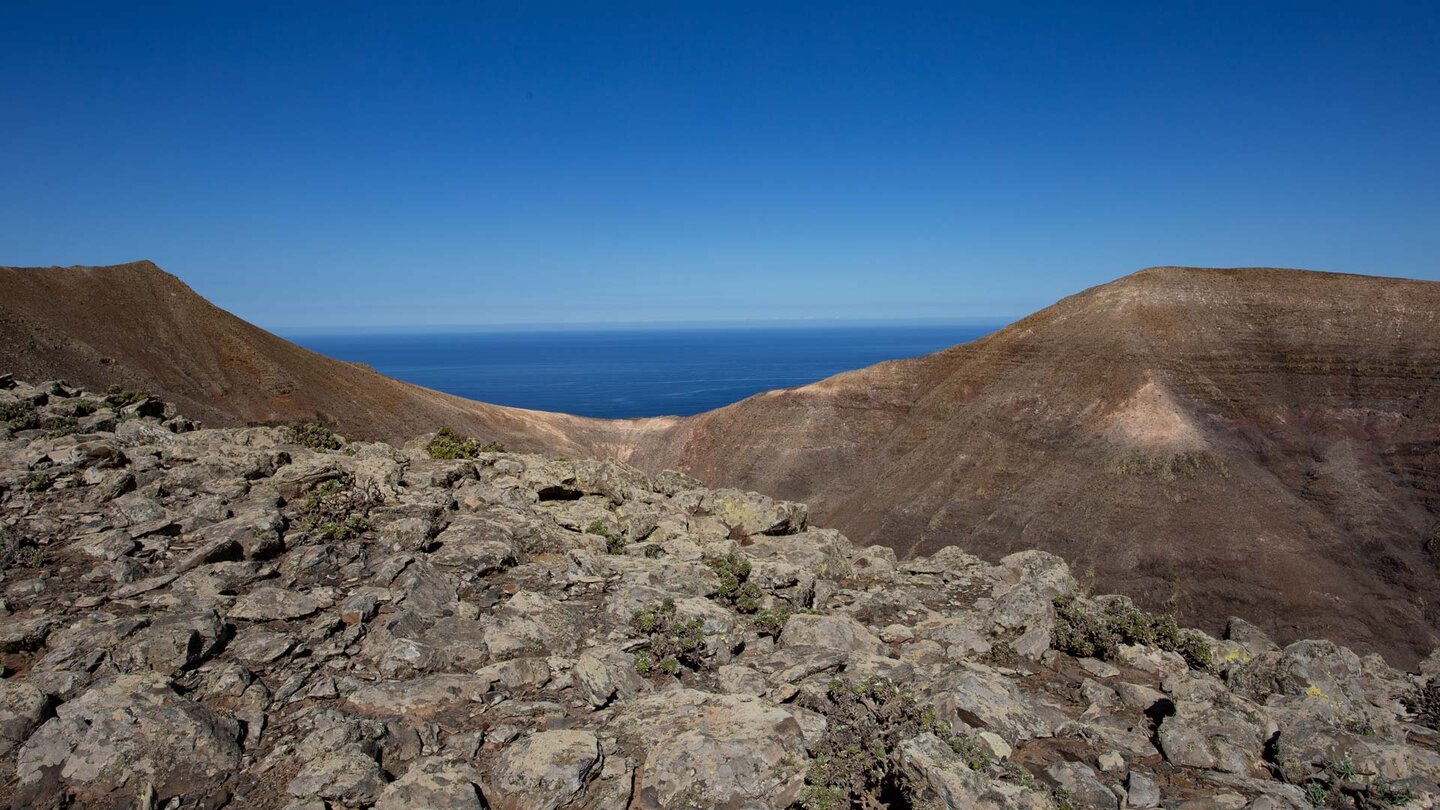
[644,664]
[117,397]
[314,436]
[615,542]
[450,446]
[734,572]
[771,622]
[853,764]
[1316,794]
[1098,634]
[19,415]
[335,531]
[674,642]
[1424,703]
[976,755]
[1382,793]
[57,426]
[1344,767]
[20,552]
[36,481]
[337,511]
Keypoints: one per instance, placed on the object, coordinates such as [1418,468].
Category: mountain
[136,326]
[230,619]
[1256,442]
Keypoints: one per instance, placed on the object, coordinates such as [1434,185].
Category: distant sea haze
[618,374]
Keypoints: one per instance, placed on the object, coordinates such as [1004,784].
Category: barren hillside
[1256,442]
[1253,441]
[138,326]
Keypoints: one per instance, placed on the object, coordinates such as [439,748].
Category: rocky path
[272,617]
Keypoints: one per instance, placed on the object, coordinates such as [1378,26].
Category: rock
[752,513]
[542,771]
[22,709]
[347,776]
[179,641]
[112,485]
[477,637]
[294,480]
[1138,696]
[605,673]
[1213,729]
[407,534]
[1082,785]
[19,635]
[714,750]
[433,785]
[735,679]
[531,624]
[1111,762]
[256,531]
[257,647]
[1141,792]
[359,608]
[266,604]
[840,633]
[982,694]
[1248,636]
[110,545]
[418,699]
[937,773]
[125,733]
[1099,669]
[100,454]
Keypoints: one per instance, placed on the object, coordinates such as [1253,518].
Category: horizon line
[639,325]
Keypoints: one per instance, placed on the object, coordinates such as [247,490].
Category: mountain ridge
[1252,441]
[1184,393]
[272,617]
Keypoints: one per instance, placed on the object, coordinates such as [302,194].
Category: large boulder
[713,751]
[22,709]
[977,695]
[752,513]
[347,776]
[1212,728]
[830,632]
[936,773]
[125,735]
[433,785]
[544,770]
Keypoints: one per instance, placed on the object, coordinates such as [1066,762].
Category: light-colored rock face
[247,622]
[125,733]
[544,770]
[706,750]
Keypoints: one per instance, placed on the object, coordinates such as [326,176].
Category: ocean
[617,373]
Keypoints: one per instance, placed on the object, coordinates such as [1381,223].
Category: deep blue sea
[630,373]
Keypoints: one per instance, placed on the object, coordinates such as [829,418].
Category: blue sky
[353,164]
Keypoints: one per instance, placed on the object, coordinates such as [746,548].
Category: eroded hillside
[276,617]
[1254,442]
[1247,442]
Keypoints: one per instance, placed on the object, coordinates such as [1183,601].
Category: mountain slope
[136,325]
[1253,442]
[1256,442]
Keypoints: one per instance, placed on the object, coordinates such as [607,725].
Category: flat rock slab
[267,604]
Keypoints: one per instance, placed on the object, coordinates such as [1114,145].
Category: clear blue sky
[350,163]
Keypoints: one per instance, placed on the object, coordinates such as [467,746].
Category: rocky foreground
[275,617]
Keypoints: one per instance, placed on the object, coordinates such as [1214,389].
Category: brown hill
[1261,443]
[137,326]
[1253,442]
